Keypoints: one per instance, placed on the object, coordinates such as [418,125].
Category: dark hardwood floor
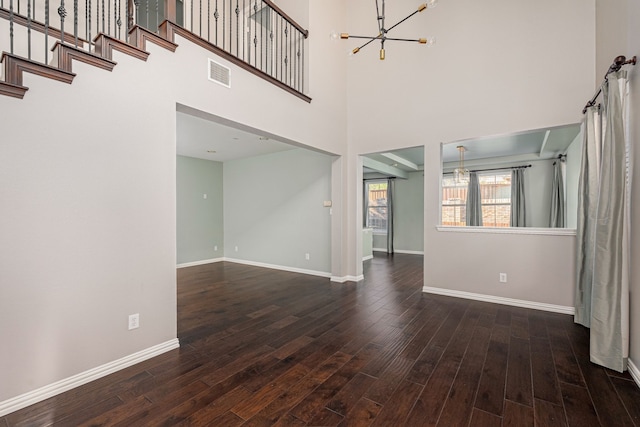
[262,347]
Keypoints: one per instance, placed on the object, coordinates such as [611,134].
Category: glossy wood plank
[484,419]
[519,387]
[578,407]
[549,415]
[490,395]
[516,415]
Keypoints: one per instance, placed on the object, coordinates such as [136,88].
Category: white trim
[42,393]
[202,262]
[279,267]
[399,251]
[367,258]
[403,251]
[634,372]
[501,300]
[509,230]
[347,278]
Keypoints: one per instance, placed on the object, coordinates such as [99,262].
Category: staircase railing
[256,32]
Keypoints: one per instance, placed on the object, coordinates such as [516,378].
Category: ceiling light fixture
[382,30]
[460,174]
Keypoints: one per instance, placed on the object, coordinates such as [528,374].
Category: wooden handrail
[279,11]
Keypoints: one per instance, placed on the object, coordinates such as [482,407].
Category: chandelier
[460,174]
[383,30]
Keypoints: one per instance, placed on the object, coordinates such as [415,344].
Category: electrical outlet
[306,256]
[236,249]
[215,248]
[503,277]
[134,321]
[204,196]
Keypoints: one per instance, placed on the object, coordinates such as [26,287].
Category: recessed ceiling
[406,159]
[205,139]
[538,144]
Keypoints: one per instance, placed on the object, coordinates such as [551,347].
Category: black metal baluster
[11,26]
[86,22]
[191,21]
[286,52]
[224,25]
[261,36]
[108,18]
[75,22]
[29,29]
[88,12]
[63,14]
[281,45]
[230,26]
[255,33]
[146,8]
[157,25]
[18,7]
[302,83]
[46,31]
[249,35]
[271,22]
[119,21]
[244,20]
[216,15]
[200,20]
[237,30]
[209,20]
[103,26]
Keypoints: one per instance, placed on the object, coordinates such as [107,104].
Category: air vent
[219,73]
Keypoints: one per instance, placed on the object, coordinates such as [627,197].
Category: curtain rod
[494,169]
[618,62]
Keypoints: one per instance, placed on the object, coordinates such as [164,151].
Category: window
[376,206]
[495,195]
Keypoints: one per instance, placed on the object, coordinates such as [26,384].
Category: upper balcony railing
[256,32]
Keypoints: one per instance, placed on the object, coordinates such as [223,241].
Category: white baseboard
[42,393]
[279,267]
[501,300]
[347,278]
[202,262]
[634,372]
[367,258]
[400,251]
[403,251]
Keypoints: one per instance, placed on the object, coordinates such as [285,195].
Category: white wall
[88,183]
[273,209]
[199,220]
[618,33]
[408,213]
[493,71]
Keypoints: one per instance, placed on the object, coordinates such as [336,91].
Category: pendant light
[383,29]
[460,174]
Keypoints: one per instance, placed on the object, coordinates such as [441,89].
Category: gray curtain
[390,191]
[365,204]
[474,201]
[607,234]
[557,215]
[518,199]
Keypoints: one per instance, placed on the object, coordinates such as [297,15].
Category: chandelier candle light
[382,30]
